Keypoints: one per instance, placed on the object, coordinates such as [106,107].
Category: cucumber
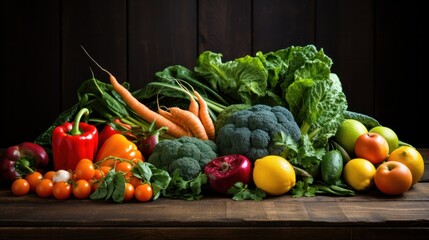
[368,121]
[331,167]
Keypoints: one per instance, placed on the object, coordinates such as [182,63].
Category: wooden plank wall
[376,46]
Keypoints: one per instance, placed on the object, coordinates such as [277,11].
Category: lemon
[348,132]
[388,134]
[359,174]
[274,175]
[412,158]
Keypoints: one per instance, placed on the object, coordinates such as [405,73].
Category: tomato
[84,169]
[32,179]
[135,181]
[143,192]
[124,167]
[98,173]
[49,175]
[94,184]
[20,187]
[81,189]
[44,188]
[61,190]
[393,178]
[105,169]
[129,192]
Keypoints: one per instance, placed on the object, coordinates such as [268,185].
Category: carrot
[176,120]
[205,118]
[142,110]
[193,104]
[193,122]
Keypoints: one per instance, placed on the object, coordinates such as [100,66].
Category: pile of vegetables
[286,102]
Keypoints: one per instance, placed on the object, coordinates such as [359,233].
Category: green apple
[348,132]
[389,135]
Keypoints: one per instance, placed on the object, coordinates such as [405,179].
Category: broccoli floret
[223,117]
[180,151]
[188,167]
[250,131]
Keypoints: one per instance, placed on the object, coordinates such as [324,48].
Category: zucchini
[368,121]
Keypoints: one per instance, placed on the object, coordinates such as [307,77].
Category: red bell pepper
[72,142]
[22,159]
[113,128]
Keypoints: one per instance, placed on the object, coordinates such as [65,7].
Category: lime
[389,135]
[348,132]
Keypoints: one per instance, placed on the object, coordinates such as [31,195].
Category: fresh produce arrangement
[261,126]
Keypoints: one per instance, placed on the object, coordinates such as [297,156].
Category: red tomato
[20,187]
[98,174]
[84,169]
[49,174]
[81,189]
[32,179]
[44,188]
[135,181]
[143,192]
[124,167]
[61,190]
[393,178]
[129,192]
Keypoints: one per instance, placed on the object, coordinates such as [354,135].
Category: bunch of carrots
[194,121]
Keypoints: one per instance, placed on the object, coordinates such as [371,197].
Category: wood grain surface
[369,215]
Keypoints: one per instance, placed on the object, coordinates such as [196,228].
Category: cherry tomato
[44,188]
[105,169]
[61,190]
[49,175]
[135,181]
[143,192]
[81,189]
[129,192]
[84,169]
[124,167]
[20,187]
[98,173]
[94,184]
[32,179]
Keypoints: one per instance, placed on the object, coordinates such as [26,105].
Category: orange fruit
[412,158]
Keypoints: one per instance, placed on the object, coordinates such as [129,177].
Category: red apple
[223,172]
[393,178]
[372,147]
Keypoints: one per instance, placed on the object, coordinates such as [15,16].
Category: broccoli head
[187,154]
[250,132]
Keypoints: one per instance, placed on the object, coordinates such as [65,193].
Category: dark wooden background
[377,47]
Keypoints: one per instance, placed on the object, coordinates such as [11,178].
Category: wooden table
[365,216]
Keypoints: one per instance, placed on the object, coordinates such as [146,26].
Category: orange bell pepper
[120,147]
